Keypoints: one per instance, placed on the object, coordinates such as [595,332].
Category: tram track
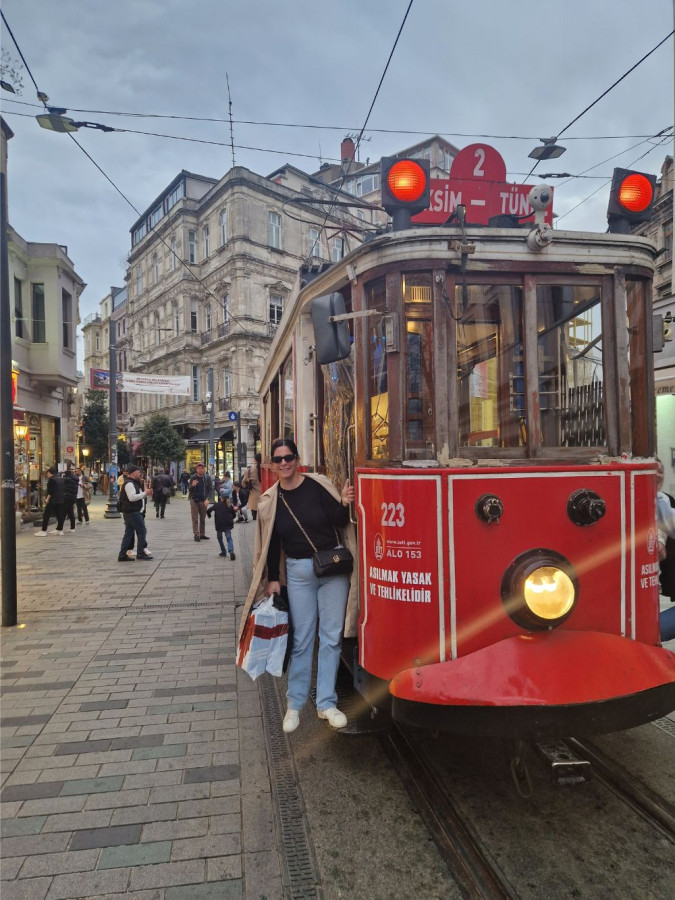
[466,858]
[646,803]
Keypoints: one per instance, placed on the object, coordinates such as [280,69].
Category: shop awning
[135,447]
[202,437]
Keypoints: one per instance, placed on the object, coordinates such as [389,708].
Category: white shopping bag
[263,643]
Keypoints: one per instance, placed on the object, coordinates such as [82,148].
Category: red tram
[489,390]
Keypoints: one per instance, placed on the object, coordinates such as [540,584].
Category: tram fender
[556,668]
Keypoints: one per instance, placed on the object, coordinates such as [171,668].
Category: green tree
[160,441]
[95,423]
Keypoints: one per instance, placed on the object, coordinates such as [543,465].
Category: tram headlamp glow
[539,590]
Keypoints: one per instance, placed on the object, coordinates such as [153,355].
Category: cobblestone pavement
[124,721]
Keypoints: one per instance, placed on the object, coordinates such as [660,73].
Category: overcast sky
[503,68]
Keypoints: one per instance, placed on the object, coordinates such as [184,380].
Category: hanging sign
[478,181]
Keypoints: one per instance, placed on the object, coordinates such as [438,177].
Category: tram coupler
[566,766]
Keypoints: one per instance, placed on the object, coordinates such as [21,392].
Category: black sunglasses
[288,457]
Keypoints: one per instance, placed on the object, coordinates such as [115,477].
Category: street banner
[175,385]
[135,383]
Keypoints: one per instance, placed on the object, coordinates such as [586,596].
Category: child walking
[224,516]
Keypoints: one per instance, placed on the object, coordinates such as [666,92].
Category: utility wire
[23,58]
[604,93]
[363,128]
[341,128]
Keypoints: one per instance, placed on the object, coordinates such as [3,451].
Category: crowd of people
[68,495]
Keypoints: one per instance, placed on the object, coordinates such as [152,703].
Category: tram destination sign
[478,181]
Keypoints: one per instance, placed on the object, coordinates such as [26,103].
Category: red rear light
[636,192]
[407,180]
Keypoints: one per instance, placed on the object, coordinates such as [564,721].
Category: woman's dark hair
[258,458]
[285,442]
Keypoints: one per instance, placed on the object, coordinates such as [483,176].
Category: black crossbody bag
[336,561]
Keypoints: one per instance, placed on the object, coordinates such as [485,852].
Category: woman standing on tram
[301,506]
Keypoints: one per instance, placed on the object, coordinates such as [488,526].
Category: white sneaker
[335,718]
[292,720]
[131,554]
[42,533]
[57,533]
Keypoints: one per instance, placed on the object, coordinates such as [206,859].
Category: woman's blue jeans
[309,597]
[228,538]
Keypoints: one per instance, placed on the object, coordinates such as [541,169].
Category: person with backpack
[223,514]
[184,481]
[130,504]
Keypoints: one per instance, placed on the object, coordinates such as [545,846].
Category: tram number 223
[393,515]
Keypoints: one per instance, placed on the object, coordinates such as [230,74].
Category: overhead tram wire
[363,128]
[604,93]
[663,140]
[153,229]
[340,128]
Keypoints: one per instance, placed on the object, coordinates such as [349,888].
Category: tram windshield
[569,353]
[490,365]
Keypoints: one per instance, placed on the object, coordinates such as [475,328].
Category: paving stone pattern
[133,758]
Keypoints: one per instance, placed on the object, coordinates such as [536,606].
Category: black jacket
[224,515]
[56,489]
[158,483]
[70,485]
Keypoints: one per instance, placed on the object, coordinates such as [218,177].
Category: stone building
[211,266]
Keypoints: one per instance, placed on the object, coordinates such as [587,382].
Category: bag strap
[295,519]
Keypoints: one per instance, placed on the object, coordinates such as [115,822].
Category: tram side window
[377,373]
[490,366]
[638,320]
[419,429]
[569,351]
[288,410]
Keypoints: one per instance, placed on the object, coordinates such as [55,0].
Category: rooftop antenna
[358,143]
[229,98]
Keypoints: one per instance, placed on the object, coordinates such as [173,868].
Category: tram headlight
[540,589]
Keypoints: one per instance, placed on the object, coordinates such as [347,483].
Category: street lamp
[85,452]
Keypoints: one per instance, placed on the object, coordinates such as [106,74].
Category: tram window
[288,410]
[490,369]
[377,369]
[641,427]
[569,350]
[419,426]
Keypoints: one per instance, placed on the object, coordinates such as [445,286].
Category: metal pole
[239,445]
[8,526]
[212,454]
[111,509]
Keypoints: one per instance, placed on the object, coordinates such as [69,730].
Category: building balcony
[224,329]
[224,404]
[206,337]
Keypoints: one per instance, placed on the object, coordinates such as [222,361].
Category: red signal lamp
[636,192]
[404,183]
[631,200]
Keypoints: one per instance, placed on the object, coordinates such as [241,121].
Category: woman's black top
[318,512]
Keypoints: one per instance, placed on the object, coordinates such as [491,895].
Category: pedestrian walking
[84,489]
[93,477]
[296,517]
[54,503]
[131,501]
[184,481]
[223,515]
[71,483]
[201,492]
[161,491]
[253,484]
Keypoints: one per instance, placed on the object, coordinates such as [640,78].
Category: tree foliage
[11,71]
[96,424]
[160,441]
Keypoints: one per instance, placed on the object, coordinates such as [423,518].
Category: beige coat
[267,510]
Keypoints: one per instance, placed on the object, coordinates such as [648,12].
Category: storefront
[36,439]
